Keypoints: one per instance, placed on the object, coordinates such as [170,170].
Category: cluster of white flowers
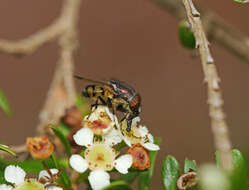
[100,133]
[16,176]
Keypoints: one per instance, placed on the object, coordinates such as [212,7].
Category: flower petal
[135,121]
[5,187]
[44,173]
[143,130]
[151,138]
[151,146]
[78,163]
[84,137]
[54,188]
[116,122]
[127,141]
[109,113]
[123,163]
[14,174]
[99,179]
[113,137]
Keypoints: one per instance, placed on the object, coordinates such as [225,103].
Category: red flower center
[99,125]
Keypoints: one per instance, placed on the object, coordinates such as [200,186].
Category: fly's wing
[91,80]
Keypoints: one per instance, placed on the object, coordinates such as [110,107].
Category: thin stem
[215,27]
[215,101]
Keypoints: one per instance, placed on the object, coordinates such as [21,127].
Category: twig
[215,27]
[62,91]
[217,115]
[31,43]
[61,94]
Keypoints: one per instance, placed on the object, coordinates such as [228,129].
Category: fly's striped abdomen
[91,91]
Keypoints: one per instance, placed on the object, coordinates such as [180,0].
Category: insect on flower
[115,94]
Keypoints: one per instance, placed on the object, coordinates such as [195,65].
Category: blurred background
[134,41]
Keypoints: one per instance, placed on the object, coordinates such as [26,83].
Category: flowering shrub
[94,147]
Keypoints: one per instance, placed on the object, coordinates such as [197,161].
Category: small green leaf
[144,177]
[4,104]
[238,160]
[188,165]
[65,130]
[129,177]
[7,149]
[64,178]
[170,173]
[186,36]
[118,185]
[63,139]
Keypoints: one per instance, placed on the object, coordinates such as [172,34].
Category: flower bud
[39,147]
[212,178]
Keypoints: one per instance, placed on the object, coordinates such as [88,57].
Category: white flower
[45,174]
[138,134]
[5,187]
[100,121]
[78,163]
[16,176]
[54,188]
[113,137]
[84,137]
[123,163]
[99,179]
[100,158]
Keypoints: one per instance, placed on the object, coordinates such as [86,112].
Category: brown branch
[61,94]
[33,42]
[215,27]
[217,115]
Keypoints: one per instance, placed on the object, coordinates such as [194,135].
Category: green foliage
[118,185]
[170,173]
[188,165]
[240,175]
[129,177]
[64,129]
[33,166]
[63,139]
[144,177]
[7,149]
[81,103]
[241,1]
[238,160]
[186,36]
[64,178]
[4,104]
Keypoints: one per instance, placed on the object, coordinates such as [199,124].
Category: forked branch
[215,27]
[61,94]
